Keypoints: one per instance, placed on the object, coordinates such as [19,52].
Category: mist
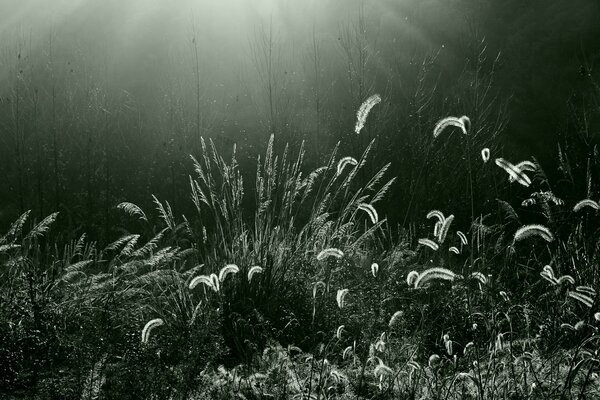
[154,76]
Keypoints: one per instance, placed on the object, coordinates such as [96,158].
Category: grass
[303,290]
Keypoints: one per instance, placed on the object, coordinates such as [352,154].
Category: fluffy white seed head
[227,270]
[330,252]
[374,269]
[585,203]
[345,161]
[433,274]
[371,212]
[254,270]
[485,155]
[395,318]
[341,297]
[363,112]
[429,243]
[515,173]
[531,230]
[205,279]
[463,123]
[148,328]
[412,277]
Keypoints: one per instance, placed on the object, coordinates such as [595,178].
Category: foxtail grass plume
[345,161]
[412,277]
[566,278]
[340,297]
[363,112]
[434,273]
[586,290]
[395,318]
[479,277]
[338,333]
[205,279]
[346,352]
[215,281]
[467,348]
[254,270]
[523,166]
[436,228]
[464,123]
[586,203]
[437,214]
[515,173]
[370,210]
[330,252]
[444,228]
[597,316]
[462,237]
[148,328]
[226,270]
[316,286]
[583,298]
[374,269]
[531,230]
[429,243]
[548,274]
[485,155]
[454,250]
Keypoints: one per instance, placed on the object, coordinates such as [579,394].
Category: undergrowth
[295,286]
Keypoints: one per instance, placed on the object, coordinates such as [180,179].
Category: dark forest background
[103,101]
